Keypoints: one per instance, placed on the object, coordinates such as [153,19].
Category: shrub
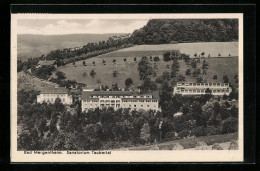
[92,73]
[211,130]
[156,58]
[229,125]
[170,136]
[128,82]
[167,56]
[184,133]
[159,79]
[198,131]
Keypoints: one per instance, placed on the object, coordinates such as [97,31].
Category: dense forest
[52,127]
[163,31]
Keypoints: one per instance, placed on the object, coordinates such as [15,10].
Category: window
[141,105]
[134,105]
[147,105]
[129,105]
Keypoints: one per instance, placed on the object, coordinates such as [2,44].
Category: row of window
[52,99]
[113,105]
[120,96]
[203,91]
[202,84]
[54,95]
[118,101]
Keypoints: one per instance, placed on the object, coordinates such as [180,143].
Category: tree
[92,73]
[167,56]
[188,72]
[193,64]
[148,85]
[196,73]
[151,58]
[225,97]
[202,54]
[115,87]
[229,125]
[215,77]
[199,80]
[180,77]
[144,67]
[115,73]
[128,82]
[166,76]
[42,125]
[60,75]
[225,78]
[208,91]
[156,58]
[145,132]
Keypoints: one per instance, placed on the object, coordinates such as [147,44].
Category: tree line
[160,31]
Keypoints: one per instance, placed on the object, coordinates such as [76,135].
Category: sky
[78,26]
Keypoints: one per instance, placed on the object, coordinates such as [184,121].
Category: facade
[119,99]
[50,94]
[200,88]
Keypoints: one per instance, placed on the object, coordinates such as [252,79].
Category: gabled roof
[46,63]
[54,90]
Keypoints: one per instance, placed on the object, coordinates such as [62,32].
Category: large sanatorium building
[200,88]
[50,94]
[132,100]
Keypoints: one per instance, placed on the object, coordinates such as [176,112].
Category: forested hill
[158,31]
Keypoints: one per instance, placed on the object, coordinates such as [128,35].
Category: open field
[36,45]
[213,48]
[104,73]
[190,143]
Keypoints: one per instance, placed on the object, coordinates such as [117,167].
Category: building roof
[46,63]
[54,90]
[88,94]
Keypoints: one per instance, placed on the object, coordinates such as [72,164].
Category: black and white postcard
[127,87]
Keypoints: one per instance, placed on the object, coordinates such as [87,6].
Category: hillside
[36,45]
[104,73]
[225,49]
[162,31]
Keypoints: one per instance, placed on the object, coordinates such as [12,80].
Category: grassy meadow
[104,73]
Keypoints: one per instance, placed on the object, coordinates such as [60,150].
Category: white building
[50,94]
[119,99]
[46,63]
[200,88]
